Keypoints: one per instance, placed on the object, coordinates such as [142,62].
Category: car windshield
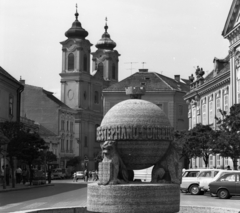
[81,172]
[191,174]
[205,174]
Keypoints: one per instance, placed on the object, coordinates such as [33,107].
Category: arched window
[113,72]
[70,62]
[96,97]
[85,63]
[100,67]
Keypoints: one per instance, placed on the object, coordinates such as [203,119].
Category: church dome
[76,31]
[106,42]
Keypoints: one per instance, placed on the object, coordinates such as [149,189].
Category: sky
[171,37]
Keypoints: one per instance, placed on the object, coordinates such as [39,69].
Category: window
[62,124]
[85,63]
[218,160]
[190,122]
[10,105]
[226,103]
[67,146]
[204,114]
[67,125]
[71,126]
[71,62]
[238,89]
[71,145]
[113,72]
[210,112]
[85,95]
[96,97]
[218,107]
[62,144]
[210,160]
[85,141]
[194,117]
[143,83]
[200,162]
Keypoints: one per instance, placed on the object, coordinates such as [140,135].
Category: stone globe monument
[136,134]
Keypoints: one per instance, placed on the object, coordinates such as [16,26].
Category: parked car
[58,173]
[204,182]
[227,185]
[191,179]
[78,175]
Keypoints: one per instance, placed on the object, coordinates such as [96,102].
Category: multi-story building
[55,119]
[220,89]
[10,96]
[81,89]
[165,92]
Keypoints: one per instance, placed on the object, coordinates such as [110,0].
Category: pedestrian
[18,175]
[75,177]
[24,175]
[96,173]
[228,168]
[86,175]
[7,175]
[49,174]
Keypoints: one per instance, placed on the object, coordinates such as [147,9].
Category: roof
[152,81]
[229,24]
[6,74]
[225,67]
[43,131]
[53,98]
[50,96]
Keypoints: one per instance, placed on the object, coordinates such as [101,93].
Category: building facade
[55,120]
[10,96]
[81,89]
[220,89]
[165,92]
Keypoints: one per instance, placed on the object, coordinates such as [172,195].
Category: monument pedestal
[133,197]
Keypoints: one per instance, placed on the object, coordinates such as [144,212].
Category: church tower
[75,66]
[105,58]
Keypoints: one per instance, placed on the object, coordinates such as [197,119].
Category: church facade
[220,89]
[81,88]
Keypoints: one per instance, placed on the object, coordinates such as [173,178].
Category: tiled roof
[53,98]
[43,131]
[225,68]
[151,80]
[6,74]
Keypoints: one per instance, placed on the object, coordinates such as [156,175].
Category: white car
[192,177]
[204,183]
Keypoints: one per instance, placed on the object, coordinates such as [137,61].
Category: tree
[199,142]
[48,156]
[228,142]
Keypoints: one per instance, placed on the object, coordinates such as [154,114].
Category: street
[66,193]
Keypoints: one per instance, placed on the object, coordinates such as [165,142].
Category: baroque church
[81,89]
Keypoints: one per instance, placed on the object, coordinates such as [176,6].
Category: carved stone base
[135,197]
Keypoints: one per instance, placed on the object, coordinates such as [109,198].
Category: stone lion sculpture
[169,168]
[112,169]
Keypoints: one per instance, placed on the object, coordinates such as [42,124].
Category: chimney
[22,81]
[143,70]
[177,78]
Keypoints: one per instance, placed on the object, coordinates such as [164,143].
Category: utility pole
[131,65]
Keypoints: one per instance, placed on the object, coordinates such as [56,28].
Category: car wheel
[183,191]
[194,190]
[223,194]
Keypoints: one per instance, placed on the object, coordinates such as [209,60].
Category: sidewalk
[20,186]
